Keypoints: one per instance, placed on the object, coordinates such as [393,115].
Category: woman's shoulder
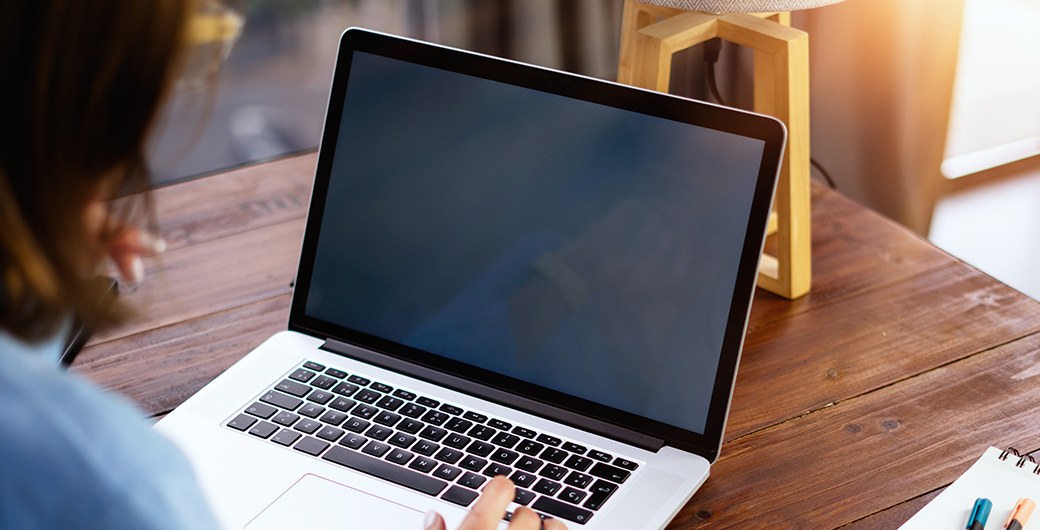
[73,453]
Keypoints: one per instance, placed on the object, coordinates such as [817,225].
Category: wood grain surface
[854,406]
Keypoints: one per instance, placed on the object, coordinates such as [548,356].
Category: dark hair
[80,85]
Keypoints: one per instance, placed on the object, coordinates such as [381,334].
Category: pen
[1023,509]
[979,514]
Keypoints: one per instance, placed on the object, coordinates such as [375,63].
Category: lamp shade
[741,6]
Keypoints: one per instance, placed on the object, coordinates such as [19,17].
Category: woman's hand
[491,507]
[126,244]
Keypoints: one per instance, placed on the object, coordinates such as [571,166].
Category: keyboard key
[279,399]
[458,425]
[474,417]
[286,437]
[578,480]
[330,433]
[308,426]
[601,491]
[412,410]
[379,432]
[311,446]
[554,472]
[423,464]
[311,365]
[260,410]
[427,402]
[368,396]
[302,375]
[472,480]
[357,379]
[523,497]
[433,433]
[574,448]
[528,463]
[387,418]
[333,418]
[411,426]
[356,424]
[504,456]
[345,389]
[320,397]
[324,382]
[500,425]
[375,448]
[402,440]
[386,389]
[451,409]
[353,441]
[404,394]
[425,447]
[311,410]
[342,404]
[389,403]
[609,472]
[525,432]
[338,374]
[572,495]
[460,496]
[523,478]
[365,411]
[547,487]
[449,455]
[528,447]
[562,510]
[263,429]
[386,470]
[625,464]
[549,440]
[554,455]
[447,472]
[600,455]
[504,439]
[399,456]
[480,448]
[578,462]
[473,463]
[493,470]
[435,418]
[457,441]
[285,418]
[482,432]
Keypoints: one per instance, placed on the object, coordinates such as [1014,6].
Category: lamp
[654,30]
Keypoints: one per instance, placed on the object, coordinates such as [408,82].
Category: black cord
[712,48]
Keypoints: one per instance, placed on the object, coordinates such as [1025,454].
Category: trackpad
[316,502]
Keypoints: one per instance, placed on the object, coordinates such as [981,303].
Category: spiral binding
[1021,459]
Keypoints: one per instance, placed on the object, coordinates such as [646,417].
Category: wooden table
[854,405]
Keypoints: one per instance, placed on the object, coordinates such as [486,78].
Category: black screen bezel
[769,130]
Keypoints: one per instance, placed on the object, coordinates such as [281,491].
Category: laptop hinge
[501,397]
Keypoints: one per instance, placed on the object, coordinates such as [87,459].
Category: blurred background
[927,111]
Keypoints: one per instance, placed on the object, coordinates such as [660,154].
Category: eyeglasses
[211,33]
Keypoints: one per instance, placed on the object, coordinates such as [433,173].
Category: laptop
[506,270]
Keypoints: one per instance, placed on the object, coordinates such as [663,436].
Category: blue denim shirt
[74,456]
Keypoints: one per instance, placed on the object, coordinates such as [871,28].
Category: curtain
[881,85]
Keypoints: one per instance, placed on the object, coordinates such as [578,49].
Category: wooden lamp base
[650,35]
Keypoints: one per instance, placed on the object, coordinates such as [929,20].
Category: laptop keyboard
[430,446]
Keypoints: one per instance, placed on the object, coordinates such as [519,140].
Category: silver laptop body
[506,270]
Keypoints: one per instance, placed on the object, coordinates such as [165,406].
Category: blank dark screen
[576,246]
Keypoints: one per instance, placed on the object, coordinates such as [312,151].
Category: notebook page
[1000,481]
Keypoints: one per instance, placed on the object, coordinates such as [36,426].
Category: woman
[81,83]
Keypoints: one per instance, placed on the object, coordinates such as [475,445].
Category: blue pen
[979,514]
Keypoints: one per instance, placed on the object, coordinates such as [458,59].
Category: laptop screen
[576,246]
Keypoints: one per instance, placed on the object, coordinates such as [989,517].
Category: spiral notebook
[1003,477]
